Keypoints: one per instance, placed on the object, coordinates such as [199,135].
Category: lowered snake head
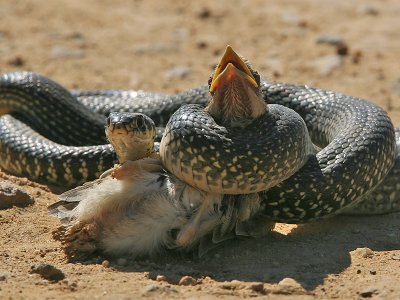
[235,92]
[131,134]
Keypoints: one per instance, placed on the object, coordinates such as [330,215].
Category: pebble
[154,288]
[151,288]
[155,48]
[16,61]
[289,286]
[396,257]
[48,271]
[204,13]
[356,58]
[367,9]
[233,285]
[239,285]
[330,39]
[3,276]
[365,252]
[3,35]
[396,87]
[291,18]
[179,72]
[12,195]
[368,292]
[161,278]
[325,65]
[61,52]
[256,287]
[372,272]
[106,264]
[201,44]
[290,282]
[334,40]
[187,280]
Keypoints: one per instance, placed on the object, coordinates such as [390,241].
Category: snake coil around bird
[49,135]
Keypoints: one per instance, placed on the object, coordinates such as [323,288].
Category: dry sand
[171,46]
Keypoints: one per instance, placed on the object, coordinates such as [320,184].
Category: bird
[138,208]
[218,150]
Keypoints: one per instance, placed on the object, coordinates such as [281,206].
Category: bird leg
[188,233]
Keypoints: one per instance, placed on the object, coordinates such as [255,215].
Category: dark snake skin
[356,137]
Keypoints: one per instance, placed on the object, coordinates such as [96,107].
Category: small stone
[365,252]
[187,280]
[106,264]
[177,72]
[3,276]
[61,52]
[3,35]
[291,18]
[396,87]
[154,288]
[151,288]
[334,40]
[368,292]
[257,287]
[330,39]
[12,195]
[161,278]
[233,285]
[201,44]
[75,35]
[356,58]
[372,272]
[288,286]
[396,257]
[141,49]
[325,65]
[48,272]
[367,9]
[290,282]
[204,13]
[16,61]
[358,271]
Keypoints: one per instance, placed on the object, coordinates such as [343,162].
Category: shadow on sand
[308,254]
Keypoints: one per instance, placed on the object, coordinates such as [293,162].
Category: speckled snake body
[357,141]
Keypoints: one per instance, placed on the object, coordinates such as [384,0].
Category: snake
[54,135]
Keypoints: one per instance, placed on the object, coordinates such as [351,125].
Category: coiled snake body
[356,137]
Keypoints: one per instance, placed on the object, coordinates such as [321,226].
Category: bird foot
[79,239]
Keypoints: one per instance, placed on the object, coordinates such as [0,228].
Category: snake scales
[50,132]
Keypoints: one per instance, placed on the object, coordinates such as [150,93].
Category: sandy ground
[170,46]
